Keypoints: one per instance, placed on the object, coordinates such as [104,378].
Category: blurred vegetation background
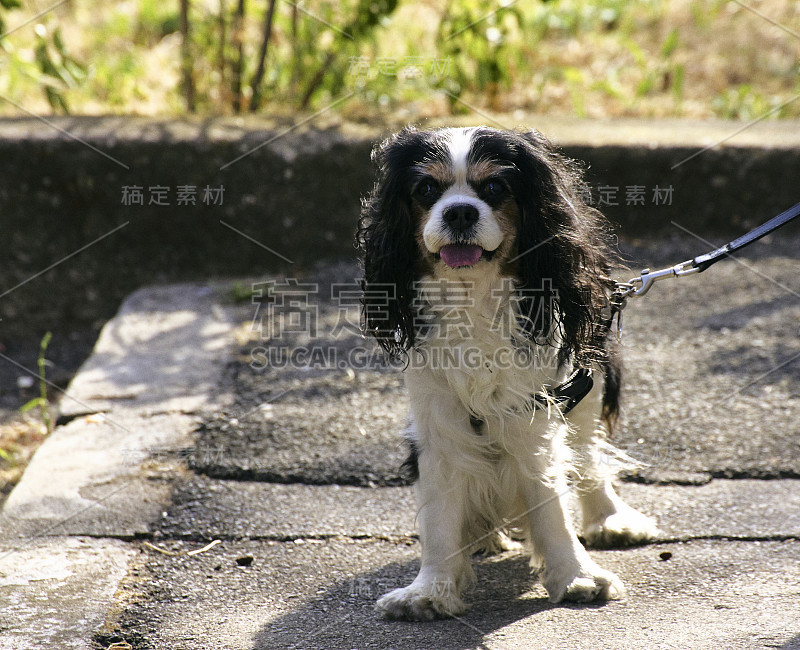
[401,58]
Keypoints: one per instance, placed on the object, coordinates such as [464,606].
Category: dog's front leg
[567,571]
[444,568]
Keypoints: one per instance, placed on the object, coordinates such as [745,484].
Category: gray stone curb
[107,473]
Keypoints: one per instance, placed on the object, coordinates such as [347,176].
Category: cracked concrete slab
[318,594]
[162,356]
[301,565]
[161,353]
[110,488]
[713,372]
[203,508]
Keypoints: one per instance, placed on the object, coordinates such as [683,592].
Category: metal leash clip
[648,277]
[616,303]
[639,286]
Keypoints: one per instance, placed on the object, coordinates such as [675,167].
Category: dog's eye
[494,187]
[426,188]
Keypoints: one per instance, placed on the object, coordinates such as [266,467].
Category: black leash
[704,261]
[567,395]
[641,285]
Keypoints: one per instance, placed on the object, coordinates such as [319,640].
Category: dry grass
[19,438]
[594,59]
[734,63]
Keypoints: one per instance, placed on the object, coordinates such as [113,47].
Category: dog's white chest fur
[475,347]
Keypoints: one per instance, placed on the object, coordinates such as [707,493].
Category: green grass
[42,402]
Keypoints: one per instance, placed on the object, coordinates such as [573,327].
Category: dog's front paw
[626,527]
[586,583]
[421,603]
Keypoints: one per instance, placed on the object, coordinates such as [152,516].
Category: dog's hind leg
[607,519]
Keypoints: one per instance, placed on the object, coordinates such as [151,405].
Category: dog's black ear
[386,238]
[564,249]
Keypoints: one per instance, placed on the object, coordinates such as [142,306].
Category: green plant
[42,401]
[49,63]
[6,5]
[58,70]
[275,55]
[478,37]
[742,102]
[406,59]
[241,292]
[664,73]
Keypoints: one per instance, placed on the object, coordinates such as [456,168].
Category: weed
[42,402]
[241,293]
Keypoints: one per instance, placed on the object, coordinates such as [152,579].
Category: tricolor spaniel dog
[488,275]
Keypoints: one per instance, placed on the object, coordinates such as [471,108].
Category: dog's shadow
[344,615]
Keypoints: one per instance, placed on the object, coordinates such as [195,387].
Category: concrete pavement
[173,439]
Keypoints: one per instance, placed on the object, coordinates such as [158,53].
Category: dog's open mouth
[455,255]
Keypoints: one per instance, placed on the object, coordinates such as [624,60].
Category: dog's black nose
[461,216]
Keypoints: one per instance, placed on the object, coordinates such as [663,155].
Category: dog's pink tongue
[460,254]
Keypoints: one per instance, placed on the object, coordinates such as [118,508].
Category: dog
[486,271]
